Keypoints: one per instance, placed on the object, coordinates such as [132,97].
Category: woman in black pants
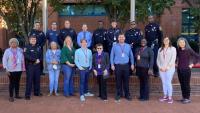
[186,60]
[100,68]
[144,66]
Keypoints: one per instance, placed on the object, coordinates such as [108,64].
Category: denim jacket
[50,56]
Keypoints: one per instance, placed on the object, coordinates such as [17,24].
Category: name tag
[123,55]
[99,66]
[138,57]
[115,39]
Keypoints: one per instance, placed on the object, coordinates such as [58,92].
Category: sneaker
[57,94]
[186,101]
[50,94]
[89,94]
[170,101]
[11,99]
[82,98]
[117,99]
[163,99]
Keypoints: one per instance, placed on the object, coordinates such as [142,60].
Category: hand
[72,65]
[81,68]
[105,72]
[54,62]
[37,61]
[7,73]
[95,72]
[162,69]
[191,65]
[150,72]
[132,67]
[113,67]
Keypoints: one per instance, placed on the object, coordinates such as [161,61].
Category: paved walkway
[62,104]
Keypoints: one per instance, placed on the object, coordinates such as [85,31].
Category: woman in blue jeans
[67,60]
[53,66]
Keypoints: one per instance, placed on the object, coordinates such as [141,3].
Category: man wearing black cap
[112,35]
[153,35]
[99,35]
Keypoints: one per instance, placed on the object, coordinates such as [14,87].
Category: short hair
[13,40]
[83,39]
[52,43]
[37,22]
[99,44]
[32,36]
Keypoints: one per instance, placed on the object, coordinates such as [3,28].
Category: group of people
[100,53]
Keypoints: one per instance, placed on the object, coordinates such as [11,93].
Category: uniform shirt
[67,55]
[52,36]
[87,35]
[13,61]
[52,56]
[166,58]
[120,54]
[67,32]
[133,37]
[153,31]
[146,59]
[83,58]
[32,53]
[41,39]
[112,35]
[99,36]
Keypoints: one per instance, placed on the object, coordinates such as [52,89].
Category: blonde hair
[68,37]
[13,40]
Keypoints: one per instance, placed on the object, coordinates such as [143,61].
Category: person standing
[33,56]
[101,66]
[112,35]
[85,34]
[53,65]
[13,62]
[153,35]
[133,36]
[41,41]
[166,65]
[99,36]
[144,66]
[186,58]
[52,35]
[67,31]
[83,60]
[68,66]
[120,55]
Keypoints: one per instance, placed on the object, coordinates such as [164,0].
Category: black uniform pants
[102,87]
[14,83]
[144,82]
[184,76]
[33,77]
[122,79]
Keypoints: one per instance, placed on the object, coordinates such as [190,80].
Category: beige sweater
[166,58]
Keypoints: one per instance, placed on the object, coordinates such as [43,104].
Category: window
[83,10]
[187,22]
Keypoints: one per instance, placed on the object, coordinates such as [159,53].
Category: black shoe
[11,99]
[27,98]
[39,95]
[18,97]
[129,98]
[117,98]
[42,74]
[186,101]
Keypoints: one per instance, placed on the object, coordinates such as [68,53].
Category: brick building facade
[171,22]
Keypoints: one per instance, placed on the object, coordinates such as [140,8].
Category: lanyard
[14,57]
[99,58]
[122,48]
[85,54]
[164,53]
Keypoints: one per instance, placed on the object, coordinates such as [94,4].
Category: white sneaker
[82,98]
[89,94]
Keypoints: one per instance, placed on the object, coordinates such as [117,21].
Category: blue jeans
[68,80]
[53,80]
[84,76]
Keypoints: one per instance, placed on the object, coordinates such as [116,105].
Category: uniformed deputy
[99,36]
[33,56]
[41,40]
[112,35]
[153,35]
[52,34]
[133,36]
[67,31]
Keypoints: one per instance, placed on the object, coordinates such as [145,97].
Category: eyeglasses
[99,48]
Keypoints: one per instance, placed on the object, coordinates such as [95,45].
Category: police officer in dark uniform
[41,40]
[67,31]
[99,36]
[112,35]
[52,34]
[133,36]
[33,56]
[153,35]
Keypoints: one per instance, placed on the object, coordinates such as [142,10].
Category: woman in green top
[67,60]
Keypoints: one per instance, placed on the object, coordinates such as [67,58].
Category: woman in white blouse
[166,64]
